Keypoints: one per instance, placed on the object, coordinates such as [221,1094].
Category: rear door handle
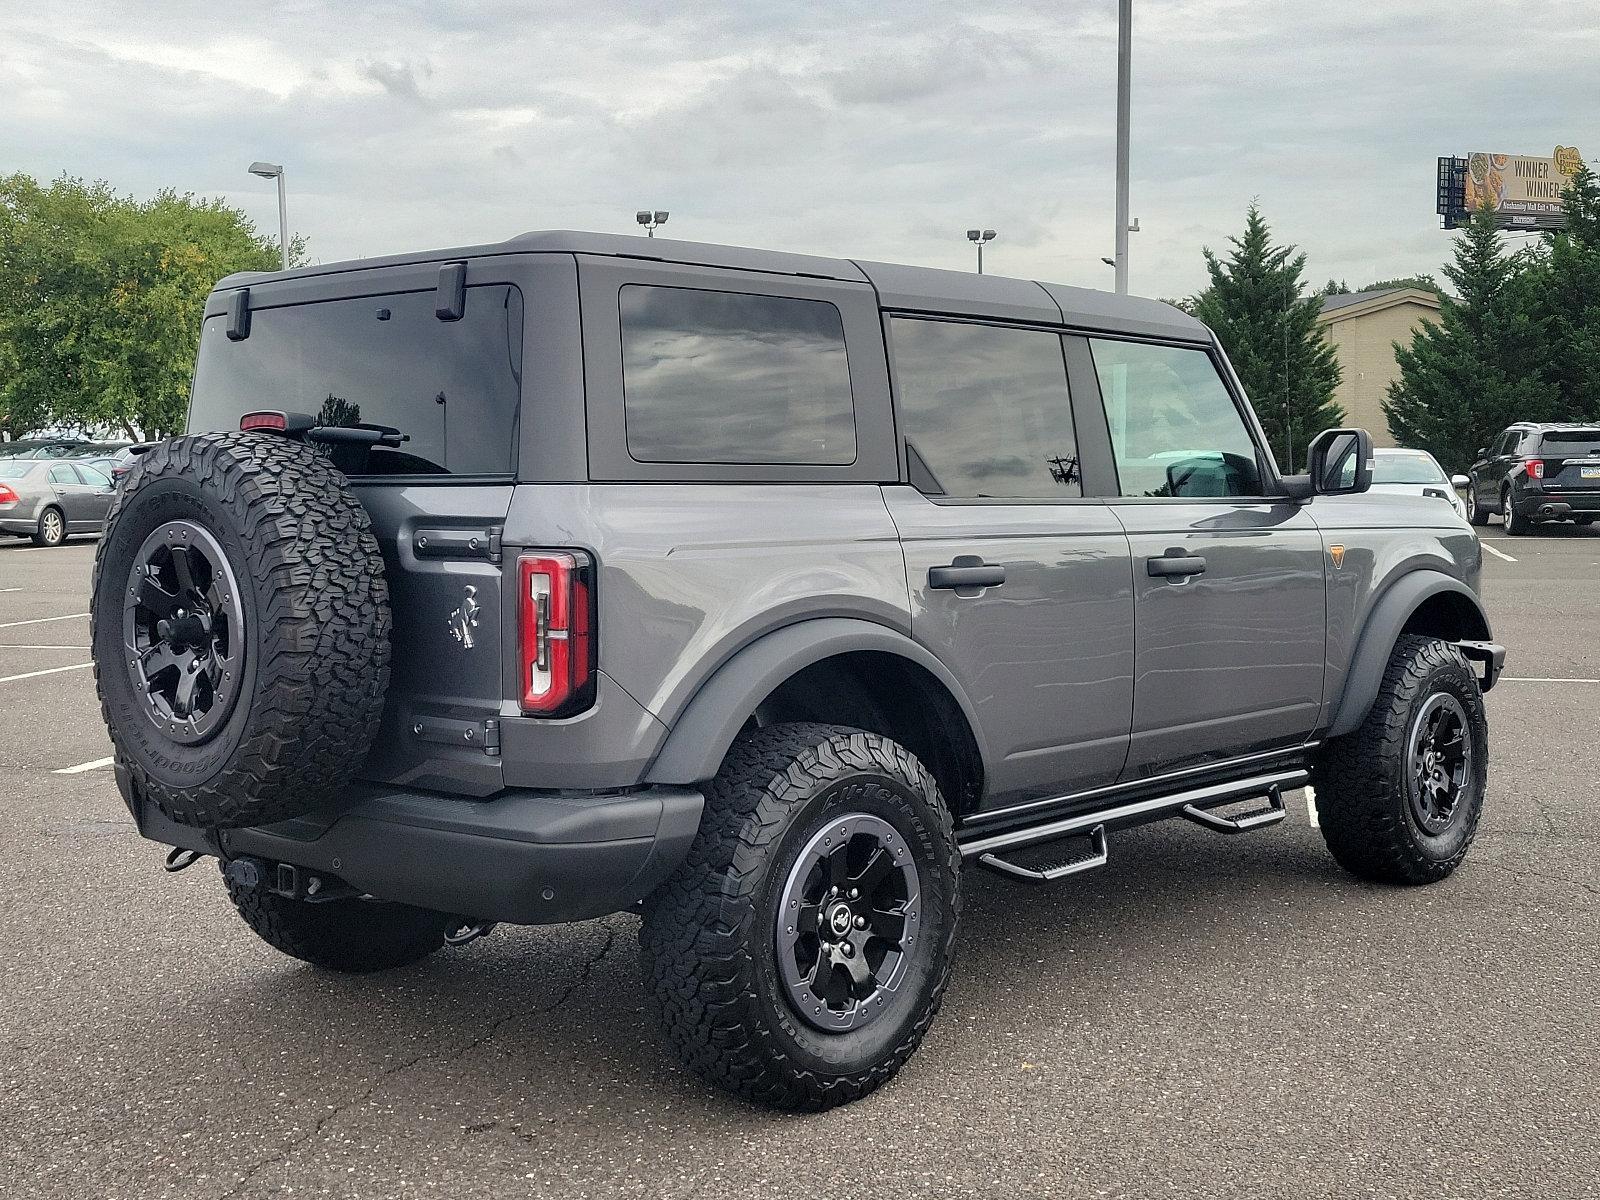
[967,571]
[1179,565]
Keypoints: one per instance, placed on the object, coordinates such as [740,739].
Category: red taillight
[276,421]
[1535,468]
[7,496]
[555,615]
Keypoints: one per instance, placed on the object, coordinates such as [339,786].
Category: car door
[1018,583]
[1230,604]
[97,496]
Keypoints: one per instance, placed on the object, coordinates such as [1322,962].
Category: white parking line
[1498,553]
[10,589]
[1311,806]
[82,767]
[41,620]
[1543,679]
[26,646]
[46,671]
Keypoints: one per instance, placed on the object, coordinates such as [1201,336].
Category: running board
[1194,804]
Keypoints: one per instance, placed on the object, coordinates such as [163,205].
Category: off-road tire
[342,935]
[1517,525]
[315,612]
[1361,779]
[1475,511]
[708,936]
[51,533]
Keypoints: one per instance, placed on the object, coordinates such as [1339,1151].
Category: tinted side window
[985,410]
[451,387]
[725,377]
[1175,430]
[63,474]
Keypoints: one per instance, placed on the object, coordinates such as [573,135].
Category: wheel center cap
[840,918]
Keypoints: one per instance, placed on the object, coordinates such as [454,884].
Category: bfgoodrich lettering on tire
[240,626]
[801,952]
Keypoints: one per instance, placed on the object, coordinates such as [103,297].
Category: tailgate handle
[458,543]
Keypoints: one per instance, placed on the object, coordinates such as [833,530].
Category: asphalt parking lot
[1205,1016]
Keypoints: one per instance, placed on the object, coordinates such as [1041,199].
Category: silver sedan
[48,499]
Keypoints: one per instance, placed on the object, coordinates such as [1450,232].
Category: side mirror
[1460,482]
[1338,463]
[1483,452]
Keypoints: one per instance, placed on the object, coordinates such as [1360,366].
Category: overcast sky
[879,130]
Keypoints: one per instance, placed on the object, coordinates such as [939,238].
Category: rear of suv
[1535,473]
[763,594]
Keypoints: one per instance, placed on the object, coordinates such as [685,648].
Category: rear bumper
[532,858]
[16,524]
[1555,506]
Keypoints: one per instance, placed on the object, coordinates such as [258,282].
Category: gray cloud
[880,133]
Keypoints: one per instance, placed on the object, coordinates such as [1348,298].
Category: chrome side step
[1194,804]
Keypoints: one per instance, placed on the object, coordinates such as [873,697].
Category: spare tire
[240,629]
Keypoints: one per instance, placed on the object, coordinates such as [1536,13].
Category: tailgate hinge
[495,533]
[491,737]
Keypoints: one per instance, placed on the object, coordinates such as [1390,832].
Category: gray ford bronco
[764,595]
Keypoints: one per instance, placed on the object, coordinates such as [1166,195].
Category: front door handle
[1179,565]
[967,571]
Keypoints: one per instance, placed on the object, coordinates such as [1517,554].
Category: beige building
[1363,328]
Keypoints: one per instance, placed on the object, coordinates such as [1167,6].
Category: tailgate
[1571,460]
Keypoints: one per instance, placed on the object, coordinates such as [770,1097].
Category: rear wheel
[1516,524]
[801,953]
[341,935]
[1399,798]
[1475,513]
[52,529]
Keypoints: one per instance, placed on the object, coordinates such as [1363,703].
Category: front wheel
[1399,798]
[801,952]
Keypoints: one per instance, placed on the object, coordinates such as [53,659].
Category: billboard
[1523,191]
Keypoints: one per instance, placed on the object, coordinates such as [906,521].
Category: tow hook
[467,932]
[179,859]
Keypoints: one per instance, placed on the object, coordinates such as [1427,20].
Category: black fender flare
[700,737]
[1381,630]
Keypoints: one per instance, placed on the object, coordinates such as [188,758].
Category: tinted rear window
[1572,441]
[985,410]
[451,387]
[725,377]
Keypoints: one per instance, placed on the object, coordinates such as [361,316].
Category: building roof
[1359,304]
[919,289]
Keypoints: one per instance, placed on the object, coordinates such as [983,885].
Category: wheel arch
[1425,602]
[837,669]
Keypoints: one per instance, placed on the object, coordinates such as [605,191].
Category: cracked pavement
[1205,1016]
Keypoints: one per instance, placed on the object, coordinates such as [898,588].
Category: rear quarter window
[729,377]
[451,387]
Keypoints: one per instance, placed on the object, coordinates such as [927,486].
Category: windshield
[1406,467]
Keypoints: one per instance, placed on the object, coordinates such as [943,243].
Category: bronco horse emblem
[465,619]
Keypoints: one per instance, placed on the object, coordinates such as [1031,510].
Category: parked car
[762,594]
[1535,473]
[117,463]
[50,499]
[45,448]
[1417,473]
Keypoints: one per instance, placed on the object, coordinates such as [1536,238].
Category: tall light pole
[1124,92]
[980,236]
[275,171]
[651,220]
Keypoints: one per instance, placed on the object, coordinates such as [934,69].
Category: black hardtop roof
[918,289]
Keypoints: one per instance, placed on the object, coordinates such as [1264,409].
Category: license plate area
[1589,472]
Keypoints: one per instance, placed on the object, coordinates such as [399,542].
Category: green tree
[1566,289]
[1480,367]
[101,298]
[1258,306]
[1423,282]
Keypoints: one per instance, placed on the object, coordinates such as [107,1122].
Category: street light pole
[1124,94]
[268,170]
[651,219]
[980,236]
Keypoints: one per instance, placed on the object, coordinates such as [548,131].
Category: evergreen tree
[1480,367]
[1258,306]
[1567,292]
